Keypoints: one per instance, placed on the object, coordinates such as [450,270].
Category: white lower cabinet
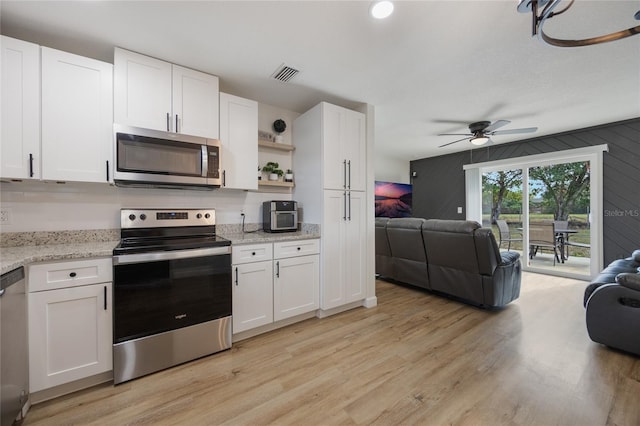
[252,295]
[296,282]
[70,321]
[273,282]
[296,286]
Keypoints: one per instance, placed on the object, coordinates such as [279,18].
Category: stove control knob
[143,216]
[199,215]
[207,215]
[132,217]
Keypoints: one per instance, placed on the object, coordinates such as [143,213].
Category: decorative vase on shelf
[273,176]
[288,176]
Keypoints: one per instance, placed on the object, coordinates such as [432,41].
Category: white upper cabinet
[344,145]
[155,94]
[20,143]
[195,103]
[239,138]
[77,117]
[141,91]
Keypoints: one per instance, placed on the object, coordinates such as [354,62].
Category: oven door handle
[125,259]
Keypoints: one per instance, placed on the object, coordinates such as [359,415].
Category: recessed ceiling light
[381,9]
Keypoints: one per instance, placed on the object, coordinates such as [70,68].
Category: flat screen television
[393,199]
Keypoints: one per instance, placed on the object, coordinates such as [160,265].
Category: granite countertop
[22,248]
[239,238]
[14,257]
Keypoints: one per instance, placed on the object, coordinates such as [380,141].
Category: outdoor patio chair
[543,235]
[505,234]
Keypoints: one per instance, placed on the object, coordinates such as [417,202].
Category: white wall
[391,169]
[75,206]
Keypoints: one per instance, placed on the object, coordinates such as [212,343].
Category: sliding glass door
[559,231]
[544,207]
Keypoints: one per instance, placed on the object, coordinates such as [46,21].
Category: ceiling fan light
[381,9]
[479,140]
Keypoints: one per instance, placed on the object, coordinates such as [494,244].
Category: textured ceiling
[432,67]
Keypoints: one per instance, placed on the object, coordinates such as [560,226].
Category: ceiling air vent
[285,73]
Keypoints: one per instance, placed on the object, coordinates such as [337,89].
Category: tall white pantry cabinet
[330,164]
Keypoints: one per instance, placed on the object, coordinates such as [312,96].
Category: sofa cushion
[636,256]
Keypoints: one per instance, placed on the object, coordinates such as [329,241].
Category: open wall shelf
[274,145]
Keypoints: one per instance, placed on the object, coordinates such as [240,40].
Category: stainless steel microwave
[152,158]
[280,216]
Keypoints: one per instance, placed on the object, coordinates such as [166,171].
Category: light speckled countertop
[14,257]
[26,248]
[258,237]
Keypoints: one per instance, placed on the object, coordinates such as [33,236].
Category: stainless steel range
[172,290]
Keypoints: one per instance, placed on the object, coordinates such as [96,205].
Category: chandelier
[542,10]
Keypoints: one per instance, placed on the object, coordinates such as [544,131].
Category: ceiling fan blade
[451,143]
[515,131]
[437,120]
[495,125]
[455,134]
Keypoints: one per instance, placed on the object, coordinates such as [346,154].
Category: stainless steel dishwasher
[14,357]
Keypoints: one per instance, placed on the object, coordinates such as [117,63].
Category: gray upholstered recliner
[384,262]
[453,257]
[612,303]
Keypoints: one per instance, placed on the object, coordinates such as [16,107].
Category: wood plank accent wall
[439,187]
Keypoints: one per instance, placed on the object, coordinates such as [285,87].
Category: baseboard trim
[64,389]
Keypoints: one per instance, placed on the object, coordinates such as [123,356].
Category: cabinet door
[195,103]
[142,91]
[20,143]
[77,117]
[354,246]
[353,143]
[70,335]
[332,292]
[252,295]
[334,161]
[239,138]
[296,286]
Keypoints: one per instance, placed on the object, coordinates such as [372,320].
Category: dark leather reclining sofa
[612,303]
[452,257]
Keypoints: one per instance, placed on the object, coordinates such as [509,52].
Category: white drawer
[73,273]
[251,253]
[295,248]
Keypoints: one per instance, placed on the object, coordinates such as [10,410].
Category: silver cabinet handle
[344,195]
[177,130]
[105,297]
[349,206]
[168,122]
[344,174]
[278,269]
[236,276]
[349,165]
[30,165]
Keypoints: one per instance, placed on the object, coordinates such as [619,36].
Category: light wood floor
[414,359]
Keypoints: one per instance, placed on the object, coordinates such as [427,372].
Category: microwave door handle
[205,160]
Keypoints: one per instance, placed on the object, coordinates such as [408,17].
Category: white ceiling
[432,67]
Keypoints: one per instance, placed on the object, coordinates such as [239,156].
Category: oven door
[163,291]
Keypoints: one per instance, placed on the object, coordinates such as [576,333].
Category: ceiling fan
[481,130]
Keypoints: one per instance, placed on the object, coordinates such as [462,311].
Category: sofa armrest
[508,257]
[629,280]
